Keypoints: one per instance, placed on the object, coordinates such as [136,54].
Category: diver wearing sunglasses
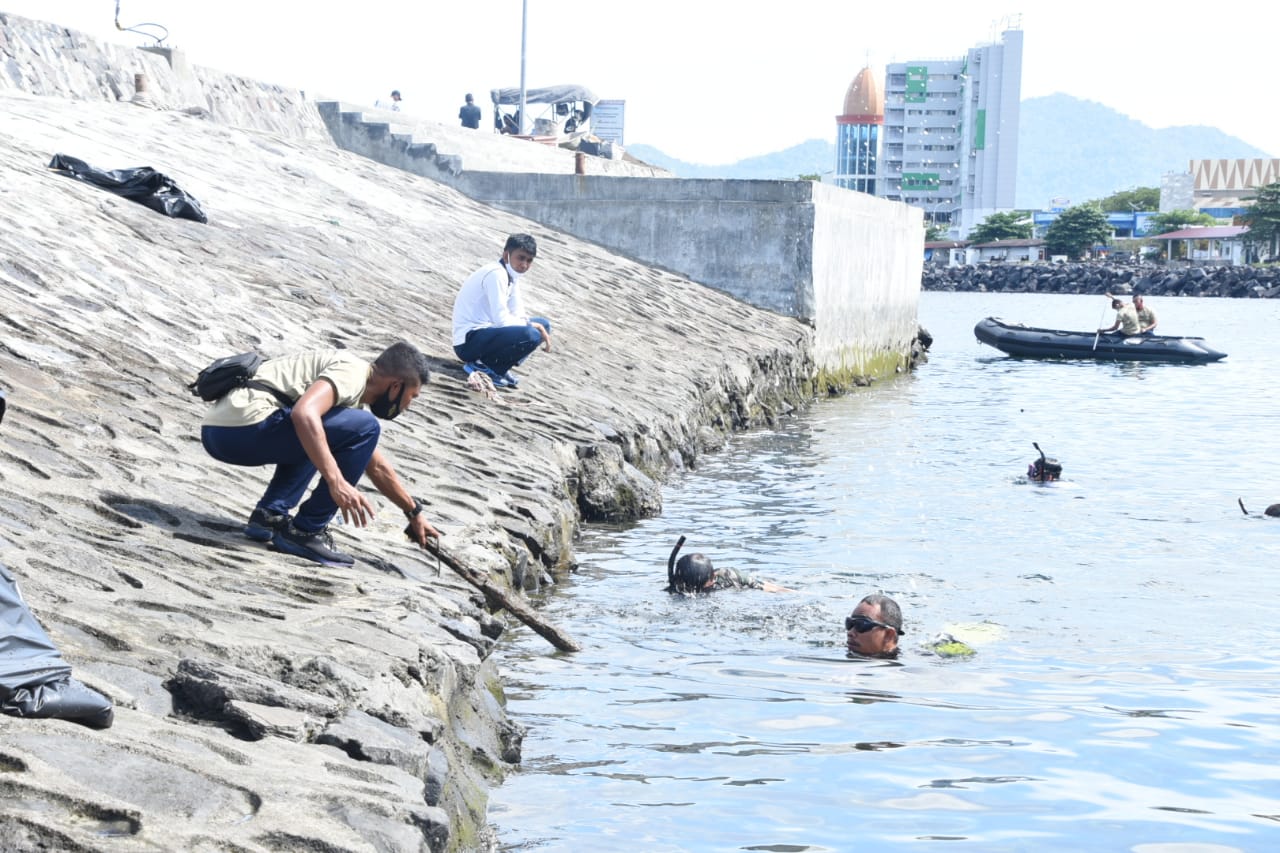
[875,625]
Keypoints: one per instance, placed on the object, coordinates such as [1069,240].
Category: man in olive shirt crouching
[328,429]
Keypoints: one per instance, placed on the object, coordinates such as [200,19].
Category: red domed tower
[858,133]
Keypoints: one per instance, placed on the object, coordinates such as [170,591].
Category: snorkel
[671,565]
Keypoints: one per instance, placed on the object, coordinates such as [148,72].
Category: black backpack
[230,372]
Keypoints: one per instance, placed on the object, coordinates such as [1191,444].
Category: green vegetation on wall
[881,365]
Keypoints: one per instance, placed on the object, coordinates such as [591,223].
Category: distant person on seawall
[491,331]
[470,113]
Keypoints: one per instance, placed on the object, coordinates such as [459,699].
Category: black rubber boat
[1029,342]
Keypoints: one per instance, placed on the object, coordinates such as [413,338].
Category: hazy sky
[714,81]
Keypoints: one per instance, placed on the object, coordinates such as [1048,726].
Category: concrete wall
[44,59]
[748,238]
[868,256]
[847,263]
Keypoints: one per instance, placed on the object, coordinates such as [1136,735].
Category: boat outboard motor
[1046,469]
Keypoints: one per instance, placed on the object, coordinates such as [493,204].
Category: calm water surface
[1126,690]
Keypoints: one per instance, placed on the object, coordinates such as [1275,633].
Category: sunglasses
[863,624]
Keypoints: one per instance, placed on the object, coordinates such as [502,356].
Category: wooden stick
[498,598]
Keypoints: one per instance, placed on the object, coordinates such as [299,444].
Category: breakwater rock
[1102,277]
[263,702]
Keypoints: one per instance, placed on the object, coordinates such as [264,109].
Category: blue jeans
[352,435]
[501,348]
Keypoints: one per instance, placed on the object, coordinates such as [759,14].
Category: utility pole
[524,33]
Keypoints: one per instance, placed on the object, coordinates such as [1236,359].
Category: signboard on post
[608,121]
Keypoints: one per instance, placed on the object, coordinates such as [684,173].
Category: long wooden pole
[498,598]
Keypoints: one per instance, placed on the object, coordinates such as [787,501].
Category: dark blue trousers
[352,435]
[501,348]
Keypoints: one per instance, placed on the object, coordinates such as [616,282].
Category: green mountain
[814,157]
[1056,159]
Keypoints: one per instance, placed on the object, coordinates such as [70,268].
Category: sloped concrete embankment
[1119,278]
[264,703]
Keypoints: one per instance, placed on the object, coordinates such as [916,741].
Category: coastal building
[858,134]
[1001,251]
[1125,225]
[949,143]
[1214,245]
[1220,188]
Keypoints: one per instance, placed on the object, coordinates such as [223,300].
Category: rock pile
[1102,277]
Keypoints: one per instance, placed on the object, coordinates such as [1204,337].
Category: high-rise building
[858,134]
[949,143]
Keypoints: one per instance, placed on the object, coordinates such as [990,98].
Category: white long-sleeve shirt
[487,298]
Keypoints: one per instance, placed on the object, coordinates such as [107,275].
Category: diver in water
[873,628]
[1045,469]
[694,573]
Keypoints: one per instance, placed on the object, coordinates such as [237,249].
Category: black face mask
[385,408]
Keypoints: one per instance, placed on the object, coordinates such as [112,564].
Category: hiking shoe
[263,525]
[500,380]
[317,546]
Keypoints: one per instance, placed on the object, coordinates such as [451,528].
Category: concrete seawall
[264,703]
[355,706]
[846,263]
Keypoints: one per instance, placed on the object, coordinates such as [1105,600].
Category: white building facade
[949,143]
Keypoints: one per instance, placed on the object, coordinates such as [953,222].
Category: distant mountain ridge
[1056,158]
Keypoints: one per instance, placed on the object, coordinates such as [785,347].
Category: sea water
[1125,693]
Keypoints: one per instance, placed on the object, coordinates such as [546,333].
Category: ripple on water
[1122,695]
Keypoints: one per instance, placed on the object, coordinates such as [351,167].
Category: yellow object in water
[950,647]
[960,640]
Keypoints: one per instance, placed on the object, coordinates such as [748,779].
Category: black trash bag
[34,679]
[144,185]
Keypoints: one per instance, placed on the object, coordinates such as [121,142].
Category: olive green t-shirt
[1146,317]
[1128,317]
[292,374]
